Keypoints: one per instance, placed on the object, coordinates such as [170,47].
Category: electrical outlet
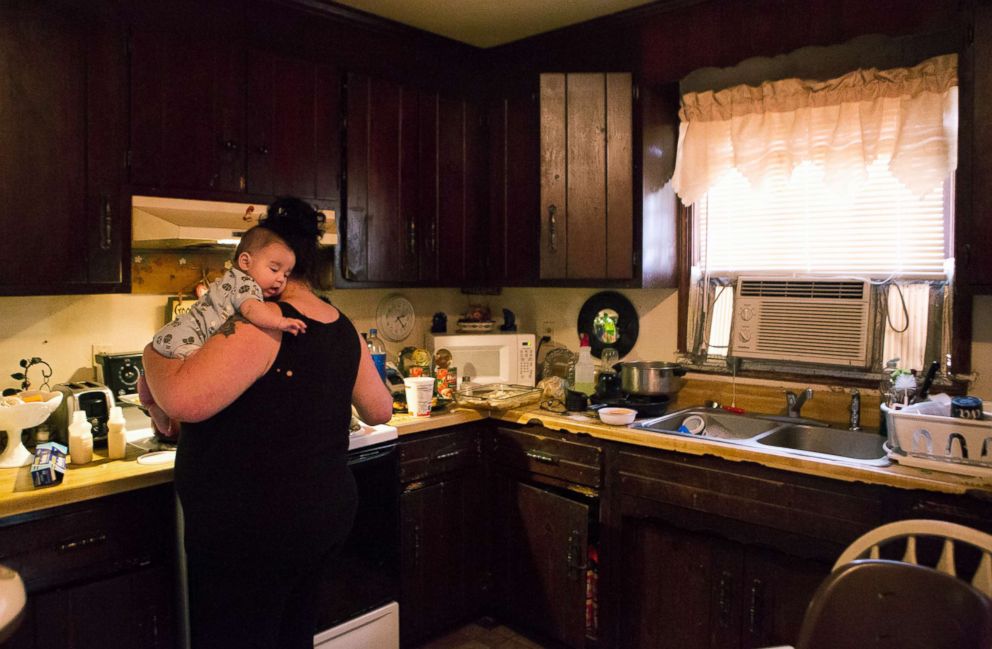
[99,349]
[548,327]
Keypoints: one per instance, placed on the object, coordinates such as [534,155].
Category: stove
[369,435]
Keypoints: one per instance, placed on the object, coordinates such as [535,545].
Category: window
[850,178]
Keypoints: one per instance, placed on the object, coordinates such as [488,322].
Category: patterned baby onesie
[187,333]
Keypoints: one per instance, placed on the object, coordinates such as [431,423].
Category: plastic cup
[419,392]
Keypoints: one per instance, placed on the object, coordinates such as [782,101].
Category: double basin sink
[792,435]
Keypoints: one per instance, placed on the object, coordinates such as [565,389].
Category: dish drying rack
[941,443]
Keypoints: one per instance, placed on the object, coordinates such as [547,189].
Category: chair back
[952,535]
[876,604]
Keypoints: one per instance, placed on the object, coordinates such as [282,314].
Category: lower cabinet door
[444,556]
[543,542]
[131,611]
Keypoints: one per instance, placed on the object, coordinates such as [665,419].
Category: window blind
[799,225]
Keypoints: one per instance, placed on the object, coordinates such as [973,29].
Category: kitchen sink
[718,424]
[778,434]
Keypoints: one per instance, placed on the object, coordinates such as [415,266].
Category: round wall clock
[395,318]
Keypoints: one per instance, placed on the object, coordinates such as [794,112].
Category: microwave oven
[489,358]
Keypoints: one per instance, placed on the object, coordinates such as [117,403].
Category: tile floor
[477,636]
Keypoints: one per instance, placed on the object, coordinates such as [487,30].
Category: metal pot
[650,378]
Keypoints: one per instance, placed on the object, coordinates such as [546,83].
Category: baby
[263,265]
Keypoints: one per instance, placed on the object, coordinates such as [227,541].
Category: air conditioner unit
[802,320]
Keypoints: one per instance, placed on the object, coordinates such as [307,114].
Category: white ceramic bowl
[617,416]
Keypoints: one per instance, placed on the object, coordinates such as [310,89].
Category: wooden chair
[871,546]
[873,602]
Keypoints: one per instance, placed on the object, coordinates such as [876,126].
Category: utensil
[924,391]
[651,378]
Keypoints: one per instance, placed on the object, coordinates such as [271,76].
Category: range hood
[184,224]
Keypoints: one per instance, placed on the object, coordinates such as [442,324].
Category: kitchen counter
[104,477]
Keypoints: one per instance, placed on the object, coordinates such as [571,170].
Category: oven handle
[370,455]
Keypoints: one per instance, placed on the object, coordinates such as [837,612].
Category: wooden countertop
[104,477]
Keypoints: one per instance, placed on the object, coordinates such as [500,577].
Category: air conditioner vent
[813,321]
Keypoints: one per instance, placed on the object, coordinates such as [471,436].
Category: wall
[63,329]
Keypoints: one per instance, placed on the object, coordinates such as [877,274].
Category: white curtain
[907,116]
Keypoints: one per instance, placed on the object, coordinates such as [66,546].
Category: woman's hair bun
[292,217]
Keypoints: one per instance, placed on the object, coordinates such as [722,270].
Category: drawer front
[427,455]
[91,539]
[545,452]
[790,502]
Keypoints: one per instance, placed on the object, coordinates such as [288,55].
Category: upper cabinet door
[380,225]
[62,158]
[292,127]
[187,111]
[586,176]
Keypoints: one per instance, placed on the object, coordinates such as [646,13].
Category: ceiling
[486,23]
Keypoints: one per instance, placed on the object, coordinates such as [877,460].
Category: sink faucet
[795,403]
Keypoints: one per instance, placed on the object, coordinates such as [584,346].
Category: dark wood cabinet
[99,573]
[414,168]
[545,518]
[587,193]
[292,136]
[63,125]
[721,555]
[514,189]
[444,544]
[213,115]
[187,111]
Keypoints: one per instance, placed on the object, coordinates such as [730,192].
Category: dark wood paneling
[355,233]
[585,175]
[451,193]
[554,222]
[619,177]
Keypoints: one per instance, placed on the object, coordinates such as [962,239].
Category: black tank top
[269,473]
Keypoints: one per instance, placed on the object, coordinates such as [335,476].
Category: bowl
[617,416]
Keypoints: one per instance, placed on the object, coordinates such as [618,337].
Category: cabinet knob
[261,149]
[230,145]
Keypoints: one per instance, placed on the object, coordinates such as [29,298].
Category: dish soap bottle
[378,351]
[80,438]
[585,369]
[116,434]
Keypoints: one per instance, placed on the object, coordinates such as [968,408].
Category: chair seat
[877,603]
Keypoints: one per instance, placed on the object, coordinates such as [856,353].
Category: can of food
[966,407]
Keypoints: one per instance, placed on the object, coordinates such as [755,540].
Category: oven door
[365,575]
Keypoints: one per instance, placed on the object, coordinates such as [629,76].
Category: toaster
[95,399]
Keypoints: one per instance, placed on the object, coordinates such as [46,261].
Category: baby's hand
[293,326]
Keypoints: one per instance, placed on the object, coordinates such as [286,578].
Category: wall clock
[395,317]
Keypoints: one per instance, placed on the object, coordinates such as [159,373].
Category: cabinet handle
[553,228]
[754,610]
[448,455]
[81,543]
[433,236]
[543,458]
[576,570]
[262,149]
[724,595]
[106,223]
[412,237]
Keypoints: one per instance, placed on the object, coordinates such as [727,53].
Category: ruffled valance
[906,115]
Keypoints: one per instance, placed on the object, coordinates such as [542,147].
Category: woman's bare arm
[205,383]
[370,396]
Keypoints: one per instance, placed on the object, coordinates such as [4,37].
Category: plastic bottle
[116,434]
[585,369]
[378,351]
[80,438]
